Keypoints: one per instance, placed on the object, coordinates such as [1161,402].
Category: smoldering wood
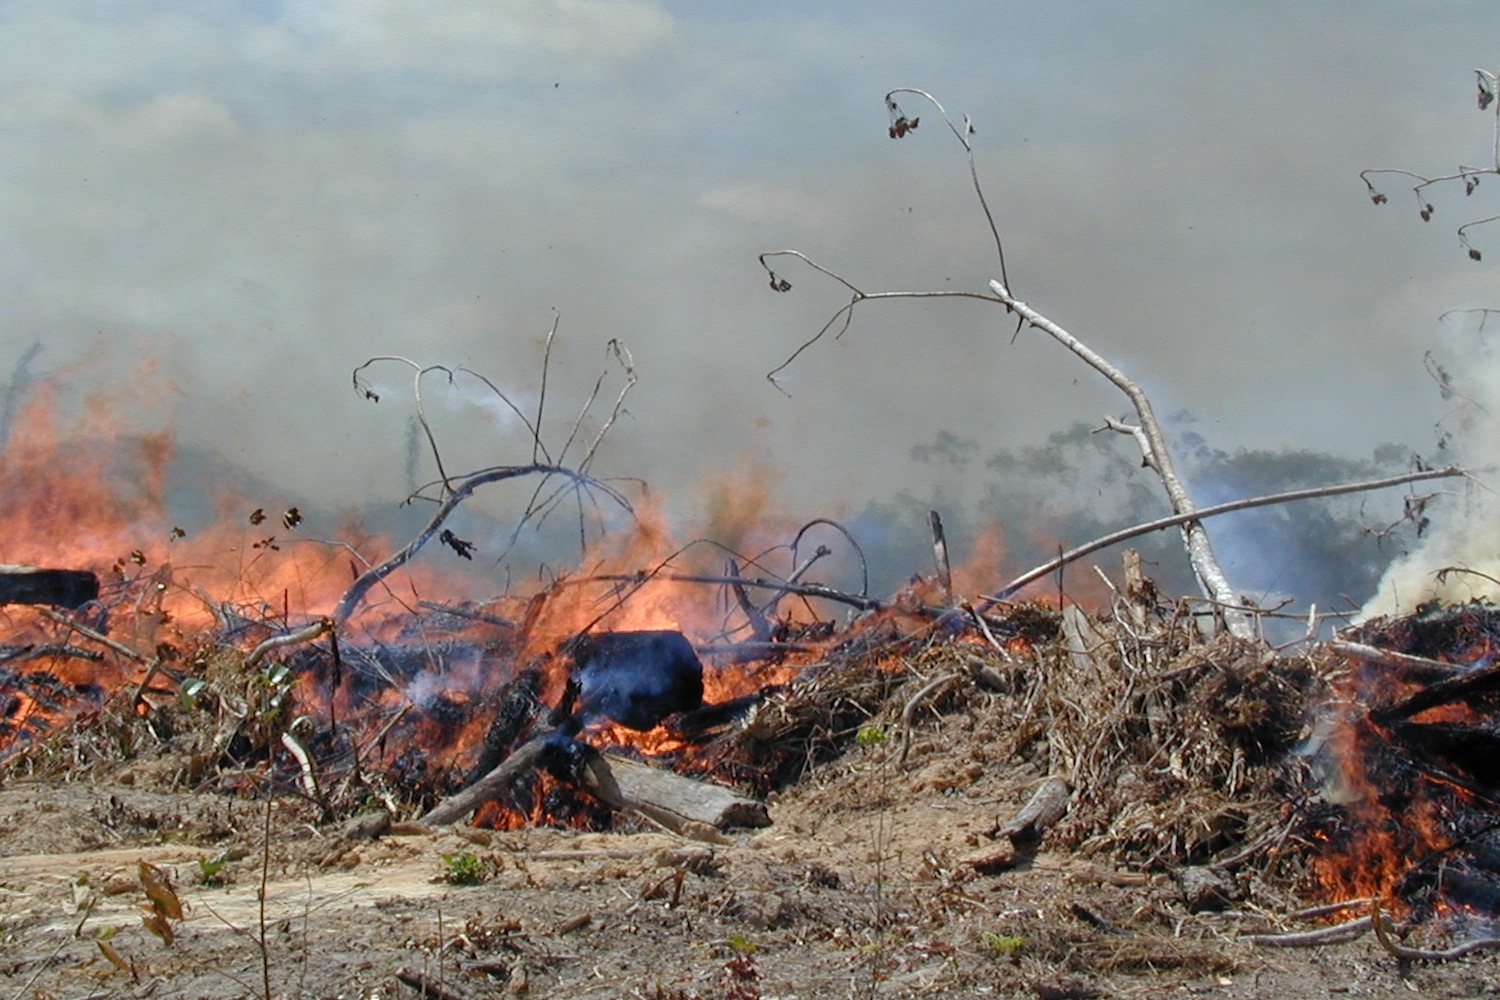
[63,588]
[493,785]
[520,706]
[679,803]
[760,625]
[1443,692]
[635,678]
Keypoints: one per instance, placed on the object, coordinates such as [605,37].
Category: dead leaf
[159,890]
[115,958]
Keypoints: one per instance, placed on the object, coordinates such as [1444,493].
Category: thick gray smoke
[259,196]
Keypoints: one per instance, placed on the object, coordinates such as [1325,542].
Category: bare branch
[457,494]
[1114,538]
[1153,444]
[1486,84]
[963,137]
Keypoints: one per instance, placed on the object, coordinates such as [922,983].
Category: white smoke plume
[1458,556]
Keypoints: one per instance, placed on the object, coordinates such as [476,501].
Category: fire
[1408,817]
[414,684]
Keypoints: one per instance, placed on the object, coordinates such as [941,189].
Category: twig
[1409,954]
[1332,934]
[265,878]
[321,627]
[859,601]
[98,637]
[1312,912]
[910,710]
[455,496]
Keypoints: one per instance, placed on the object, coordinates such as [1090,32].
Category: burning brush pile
[1357,773]
[668,694]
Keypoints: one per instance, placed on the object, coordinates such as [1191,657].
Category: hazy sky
[258,196]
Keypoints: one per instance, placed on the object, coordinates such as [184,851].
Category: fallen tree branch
[1124,534]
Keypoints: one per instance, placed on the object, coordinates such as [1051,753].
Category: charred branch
[1441,692]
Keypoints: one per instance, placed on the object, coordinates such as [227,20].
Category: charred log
[63,588]
[635,678]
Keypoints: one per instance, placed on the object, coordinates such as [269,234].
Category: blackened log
[519,706]
[63,588]
[635,678]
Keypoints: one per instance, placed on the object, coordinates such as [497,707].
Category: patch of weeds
[1004,945]
[465,868]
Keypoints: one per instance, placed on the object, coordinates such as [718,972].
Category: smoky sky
[257,197]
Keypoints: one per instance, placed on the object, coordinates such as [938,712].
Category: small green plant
[870,736]
[1004,945]
[211,870]
[741,944]
[463,868]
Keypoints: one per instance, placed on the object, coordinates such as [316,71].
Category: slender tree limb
[1154,450]
[318,628]
[1115,537]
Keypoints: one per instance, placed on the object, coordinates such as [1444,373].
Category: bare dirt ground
[858,888]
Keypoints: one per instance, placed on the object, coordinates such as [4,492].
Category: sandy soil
[858,888]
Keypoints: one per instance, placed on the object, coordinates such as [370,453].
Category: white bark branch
[1153,444]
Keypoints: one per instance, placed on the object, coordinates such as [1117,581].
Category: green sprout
[742,944]
[463,868]
[211,870]
[1004,945]
[870,736]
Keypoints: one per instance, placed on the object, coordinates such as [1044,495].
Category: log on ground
[679,803]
